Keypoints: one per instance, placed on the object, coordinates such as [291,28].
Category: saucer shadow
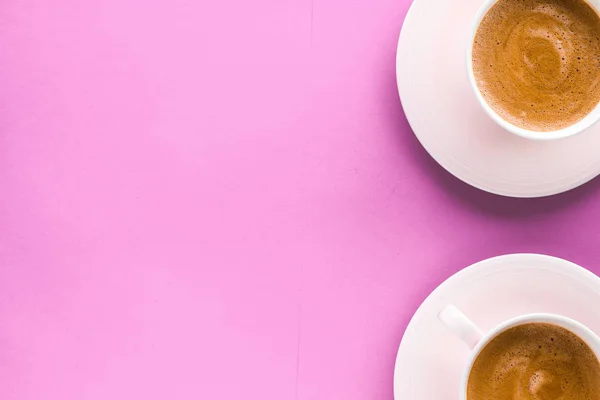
[471,197]
[485,202]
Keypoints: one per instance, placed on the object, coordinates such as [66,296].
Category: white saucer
[430,359]
[445,116]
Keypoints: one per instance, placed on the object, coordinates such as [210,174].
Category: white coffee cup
[466,330]
[578,127]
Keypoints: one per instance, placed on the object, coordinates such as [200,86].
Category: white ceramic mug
[578,127]
[466,330]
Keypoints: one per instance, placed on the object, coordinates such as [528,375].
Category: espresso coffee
[535,361]
[537,62]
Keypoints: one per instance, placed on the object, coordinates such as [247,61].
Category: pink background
[223,200]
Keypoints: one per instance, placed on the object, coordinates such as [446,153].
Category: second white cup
[466,330]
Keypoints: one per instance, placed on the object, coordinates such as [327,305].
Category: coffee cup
[476,340]
[587,121]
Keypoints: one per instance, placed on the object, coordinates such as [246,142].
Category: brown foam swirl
[535,362]
[537,63]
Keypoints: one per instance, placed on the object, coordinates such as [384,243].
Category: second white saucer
[431,359]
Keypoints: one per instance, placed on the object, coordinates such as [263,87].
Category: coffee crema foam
[535,361]
[537,62]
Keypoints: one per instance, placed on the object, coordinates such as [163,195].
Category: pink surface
[223,200]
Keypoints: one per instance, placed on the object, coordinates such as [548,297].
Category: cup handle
[460,325]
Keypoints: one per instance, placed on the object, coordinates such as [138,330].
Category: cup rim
[577,328]
[586,122]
